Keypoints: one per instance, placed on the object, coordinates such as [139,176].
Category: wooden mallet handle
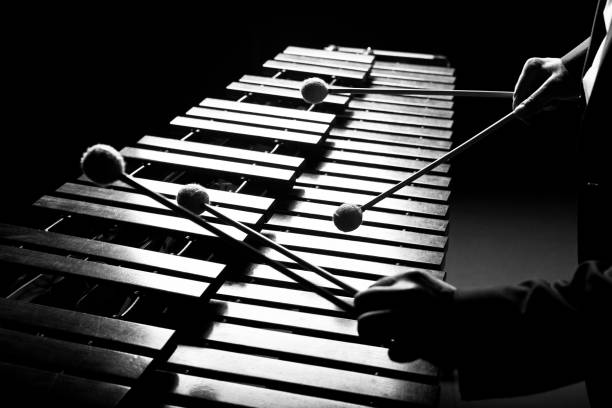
[418,91]
[320,271]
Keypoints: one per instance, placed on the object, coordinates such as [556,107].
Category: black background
[77,76]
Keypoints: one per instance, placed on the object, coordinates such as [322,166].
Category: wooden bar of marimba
[110,299]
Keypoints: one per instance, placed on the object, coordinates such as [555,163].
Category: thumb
[536,102]
[401,353]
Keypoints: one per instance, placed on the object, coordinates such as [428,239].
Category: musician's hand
[411,310]
[542,83]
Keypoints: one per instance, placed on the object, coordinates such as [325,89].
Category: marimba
[109,299]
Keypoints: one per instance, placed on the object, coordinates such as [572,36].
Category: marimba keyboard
[111,299]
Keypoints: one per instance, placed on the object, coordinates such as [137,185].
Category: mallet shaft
[418,91]
[320,271]
[242,245]
[463,146]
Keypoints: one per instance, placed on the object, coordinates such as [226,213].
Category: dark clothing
[538,336]
[594,147]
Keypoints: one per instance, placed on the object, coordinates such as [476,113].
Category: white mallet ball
[314,90]
[348,217]
[102,164]
[193,197]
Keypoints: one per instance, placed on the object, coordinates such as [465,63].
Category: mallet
[348,217]
[315,90]
[103,165]
[195,198]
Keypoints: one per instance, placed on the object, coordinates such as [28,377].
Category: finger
[402,353]
[400,291]
[405,295]
[524,89]
[385,327]
[538,99]
[386,281]
[391,280]
[528,81]
[379,326]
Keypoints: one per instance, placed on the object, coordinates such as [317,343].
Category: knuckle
[533,62]
[362,328]
[417,276]
[358,301]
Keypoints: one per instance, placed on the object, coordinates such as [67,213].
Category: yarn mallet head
[102,164]
[314,90]
[193,197]
[348,217]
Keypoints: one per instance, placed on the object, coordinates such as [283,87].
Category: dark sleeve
[574,63]
[574,60]
[533,337]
